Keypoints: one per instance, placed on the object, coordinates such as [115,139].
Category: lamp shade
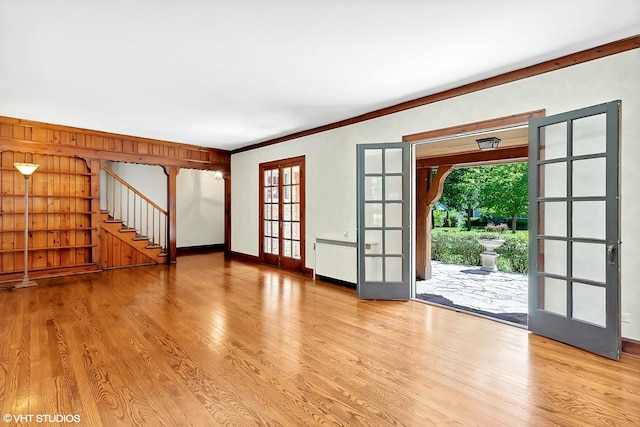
[26,169]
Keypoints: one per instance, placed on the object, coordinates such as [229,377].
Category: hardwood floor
[210,341]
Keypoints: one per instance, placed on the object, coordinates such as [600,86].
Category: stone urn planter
[489,256]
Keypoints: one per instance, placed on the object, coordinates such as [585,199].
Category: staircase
[133,228]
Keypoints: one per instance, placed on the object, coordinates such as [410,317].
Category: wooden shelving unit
[60,215]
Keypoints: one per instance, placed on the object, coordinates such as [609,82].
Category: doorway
[282,219]
[574,270]
[438,153]
[479,243]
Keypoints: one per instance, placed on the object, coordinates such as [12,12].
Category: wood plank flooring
[210,341]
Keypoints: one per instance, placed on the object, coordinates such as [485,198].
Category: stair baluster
[129,207]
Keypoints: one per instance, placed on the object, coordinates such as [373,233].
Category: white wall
[199,200]
[330,156]
[199,209]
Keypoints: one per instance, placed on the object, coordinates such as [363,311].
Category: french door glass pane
[295,175]
[552,218]
[286,212]
[393,242]
[589,220]
[275,228]
[267,211]
[286,194]
[554,256]
[274,195]
[286,230]
[286,176]
[373,269]
[553,141]
[373,161]
[295,193]
[393,269]
[553,295]
[589,135]
[267,228]
[589,177]
[287,248]
[589,261]
[589,304]
[556,187]
[373,215]
[274,212]
[295,248]
[393,188]
[393,214]
[393,160]
[295,231]
[373,188]
[295,212]
[267,195]
[275,247]
[374,239]
[267,245]
[274,177]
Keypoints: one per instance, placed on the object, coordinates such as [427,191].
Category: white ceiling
[227,74]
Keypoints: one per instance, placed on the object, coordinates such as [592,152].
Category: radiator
[337,259]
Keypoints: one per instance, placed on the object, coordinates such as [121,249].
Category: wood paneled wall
[45,138]
[117,254]
[59,213]
[64,224]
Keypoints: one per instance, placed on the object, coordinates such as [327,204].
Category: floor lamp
[26,169]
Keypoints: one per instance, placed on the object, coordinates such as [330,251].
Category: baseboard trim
[201,249]
[244,257]
[336,281]
[631,347]
[256,260]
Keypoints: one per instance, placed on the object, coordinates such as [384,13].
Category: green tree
[505,190]
[462,190]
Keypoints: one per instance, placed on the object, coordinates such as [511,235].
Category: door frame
[280,164]
[421,232]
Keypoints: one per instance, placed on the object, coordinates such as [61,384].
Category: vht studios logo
[41,418]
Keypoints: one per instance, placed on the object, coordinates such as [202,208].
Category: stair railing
[136,211]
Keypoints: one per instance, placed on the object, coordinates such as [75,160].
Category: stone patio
[497,293]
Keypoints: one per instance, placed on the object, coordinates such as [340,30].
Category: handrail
[136,211]
[126,184]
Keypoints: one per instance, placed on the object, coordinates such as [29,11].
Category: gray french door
[574,292]
[383,221]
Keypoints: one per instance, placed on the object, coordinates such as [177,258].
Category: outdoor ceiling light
[486,144]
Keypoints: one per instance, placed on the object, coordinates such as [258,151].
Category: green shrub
[461,247]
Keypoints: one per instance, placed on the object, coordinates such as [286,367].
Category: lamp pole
[26,169]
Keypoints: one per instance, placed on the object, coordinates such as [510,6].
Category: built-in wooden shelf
[48,230]
[47,248]
[20,196]
[49,213]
